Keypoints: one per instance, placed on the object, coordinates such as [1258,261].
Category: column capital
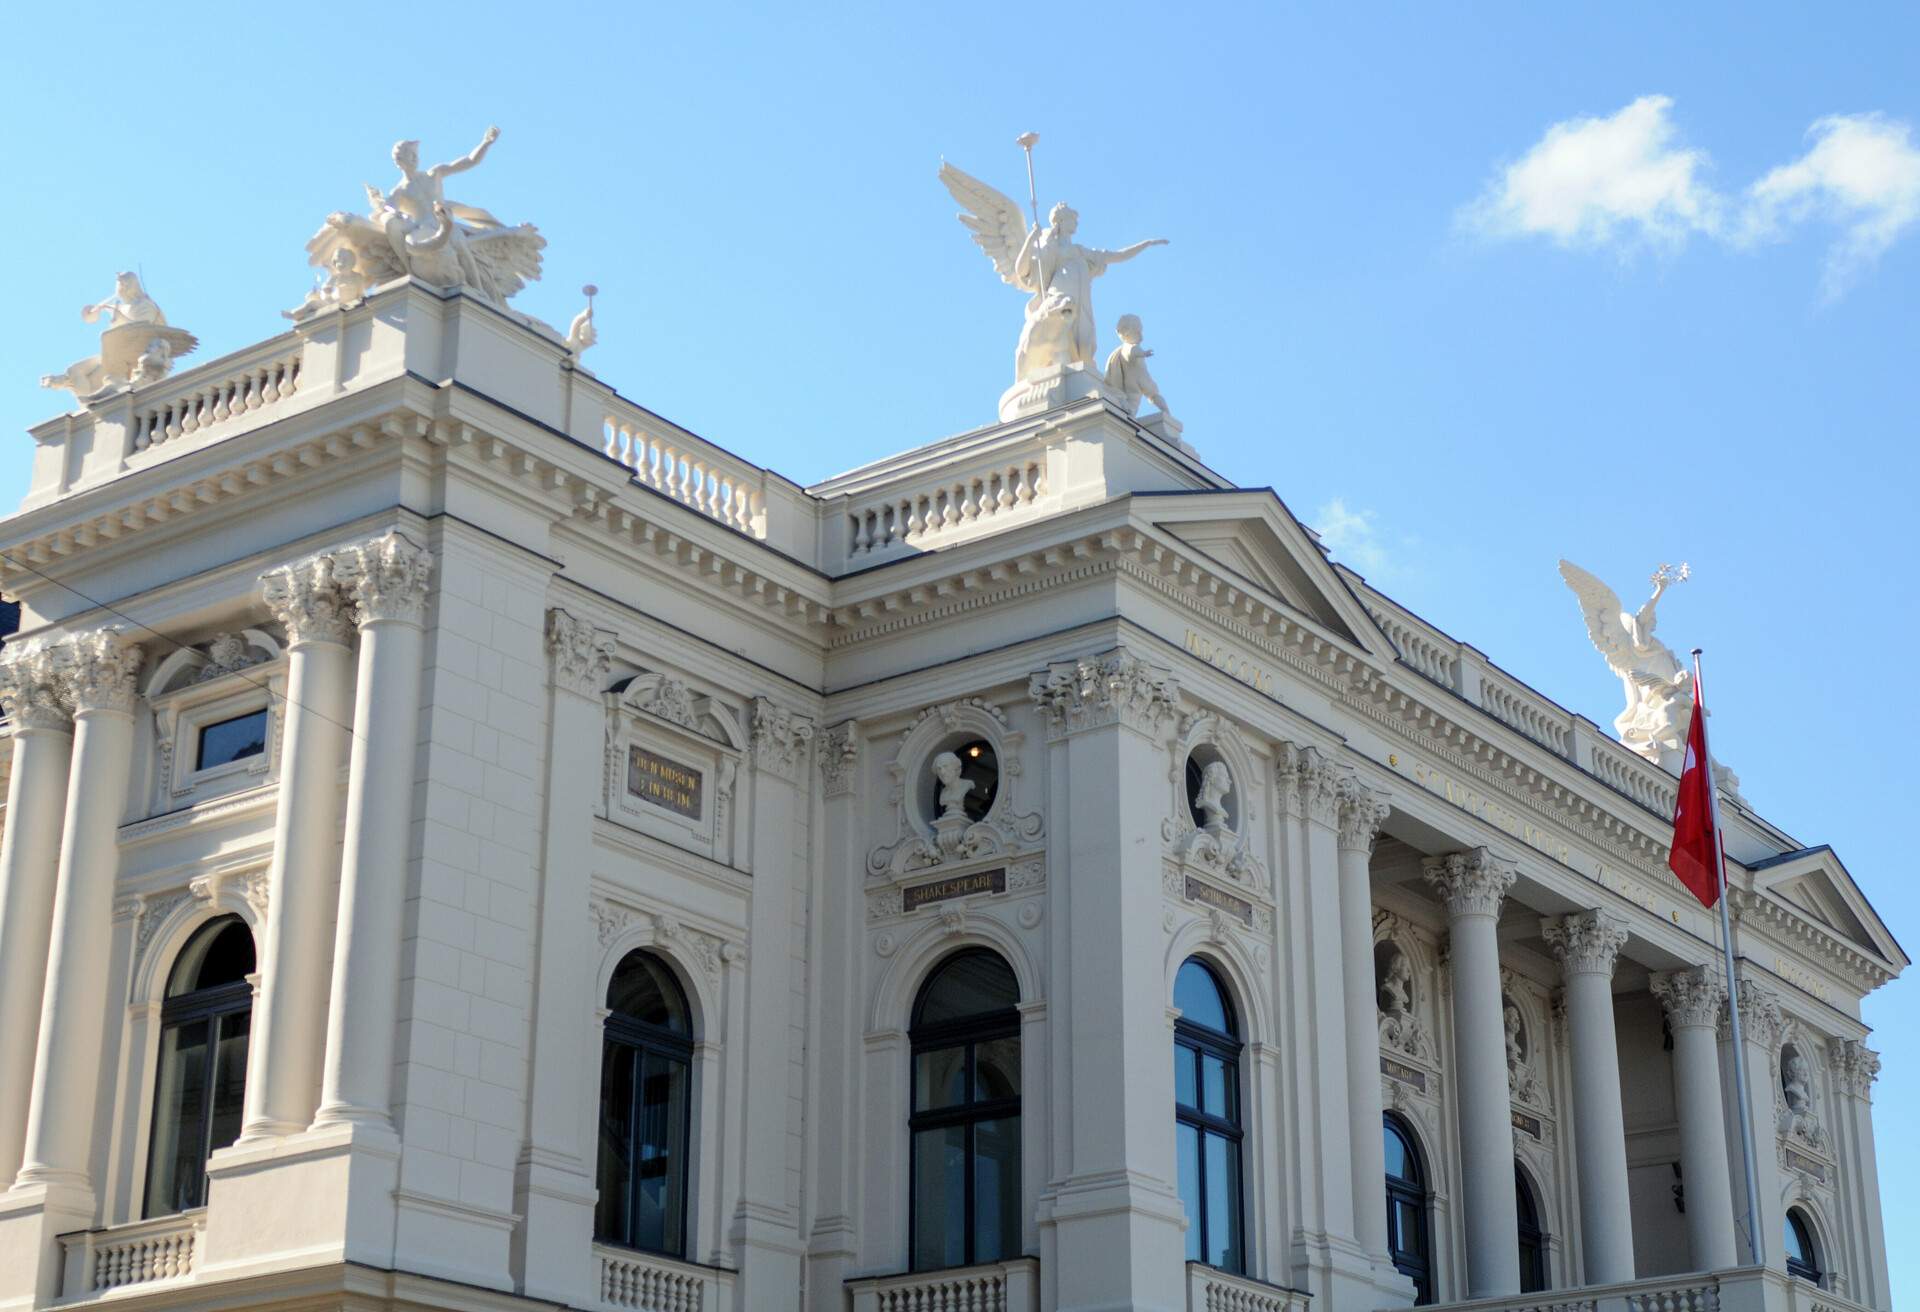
[1855,1067]
[582,655]
[780,738]
[1362,812]
[386,577]
[1760,1019]
[97,669]
[1470,883]
[1586,942]
[1691,997]
[305,599]
[839,755]
[1115,687]
[30,688]
[1310,784]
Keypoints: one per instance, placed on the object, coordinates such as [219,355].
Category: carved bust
[953,788]
[1396,986]
[1216,781]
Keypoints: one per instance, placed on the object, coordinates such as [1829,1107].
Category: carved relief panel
[673,757]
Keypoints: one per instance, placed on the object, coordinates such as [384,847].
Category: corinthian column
[29,853]
[1361,814]
[1693,999]
[96,671]
[1588,944]
[1472,885]
[386,580]
[289,1022]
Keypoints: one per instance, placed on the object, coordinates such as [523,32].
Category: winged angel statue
[414,229]
[1658,686]
[1054,270]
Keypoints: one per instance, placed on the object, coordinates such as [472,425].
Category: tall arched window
[1408,1238]
[965,1186]
[201,1090]
[1206,1096]
[645,1109]
[1533,1240]
[1803,1251]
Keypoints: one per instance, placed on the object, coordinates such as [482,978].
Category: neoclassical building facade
[472,843]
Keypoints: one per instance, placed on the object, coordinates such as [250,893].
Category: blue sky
[1473,289]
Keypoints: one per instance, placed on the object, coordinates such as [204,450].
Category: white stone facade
[548,680]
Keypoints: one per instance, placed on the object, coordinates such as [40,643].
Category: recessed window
[970,781]
[645,1109]
[1533,1239]
[1803,1254]
[1207,1133]
[201,1088]
[227,741]
[1408,1236]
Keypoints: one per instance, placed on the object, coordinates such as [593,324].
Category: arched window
[645,1109]
[201,1090]
[965,1186]
[1533,1240]
[1803,1253]
[1206,1096]
[1408,1239]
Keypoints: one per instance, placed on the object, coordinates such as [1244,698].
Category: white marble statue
[1127,371]
[1216,781]
[953,788]
[1659,687]
[415,229]
[1396,986]
[581,333]
[137,346]
[1055,271]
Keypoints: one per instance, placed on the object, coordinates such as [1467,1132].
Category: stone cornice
[1816,940]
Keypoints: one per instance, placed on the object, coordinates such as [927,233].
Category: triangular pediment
[1815,883]
[1251,534]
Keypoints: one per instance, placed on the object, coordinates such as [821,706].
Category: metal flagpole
[1755,1240]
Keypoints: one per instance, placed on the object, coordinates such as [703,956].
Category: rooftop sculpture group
[137,345]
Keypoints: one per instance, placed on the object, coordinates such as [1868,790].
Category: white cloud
[1862,173]
[1352,536]
[1620,180]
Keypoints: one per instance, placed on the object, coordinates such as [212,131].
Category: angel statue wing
[1600,607]
[374,254]
[996,222]
[508,257]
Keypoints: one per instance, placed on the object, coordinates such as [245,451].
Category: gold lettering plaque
[667,784]
[1209,896]
[1526,1124]
[942,890]
[1394,1070]
[1229,661]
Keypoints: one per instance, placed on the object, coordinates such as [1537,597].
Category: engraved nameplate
[942,890]
[667,784]
[1394,1070]
[1209,896]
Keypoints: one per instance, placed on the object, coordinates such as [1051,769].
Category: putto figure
[414,229]
[137,346]
[1127,370]
[1057,272]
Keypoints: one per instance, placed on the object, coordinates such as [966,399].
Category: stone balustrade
[925,516]
[209,396]
[1212,1290]
[1692,1292]
[645,1282]
[691,471]
[165,1248]
[997,1287]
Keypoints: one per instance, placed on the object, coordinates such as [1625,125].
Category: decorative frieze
[305,599]
[780,738]
[1587,942]
[97,669]
[1469,883]
[386,577]
[582,655]
[1691,997]
[839,757]
[1115,687]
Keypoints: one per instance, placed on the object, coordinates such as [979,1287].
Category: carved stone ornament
[1691,997]
[386,577]
[1213,845]
[305,599]
[1760,1019]
[780,738]
[137,346]
[30,689]
[1469,883]
[839,756]
[1795,1097]
[1523,1075]
[696,947]
[1309,783]
[1115,687]
[96,670]
[1402,1029]
[1362,812]
[1587,942]
[922,841]
[582,655]
[1855,1067]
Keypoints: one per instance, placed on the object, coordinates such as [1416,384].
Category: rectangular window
[232,740]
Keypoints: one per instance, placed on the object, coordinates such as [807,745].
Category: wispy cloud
[1862,174]
[1623,180]
[1626,182]
[1353,536]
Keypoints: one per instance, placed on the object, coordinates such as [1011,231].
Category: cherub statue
[1127,370]
[1659,688]
[137,346]
[1056,271]
[344,287]
[1216,781]
[953,788]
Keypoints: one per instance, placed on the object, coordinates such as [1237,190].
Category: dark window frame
[1417,1266]
[1192,1041]
[214,1007]
[970,1032]
[1801,1227]
[200,733]
[634,1040]
[1535,1278]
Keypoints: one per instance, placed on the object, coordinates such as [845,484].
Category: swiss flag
[1694,848]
